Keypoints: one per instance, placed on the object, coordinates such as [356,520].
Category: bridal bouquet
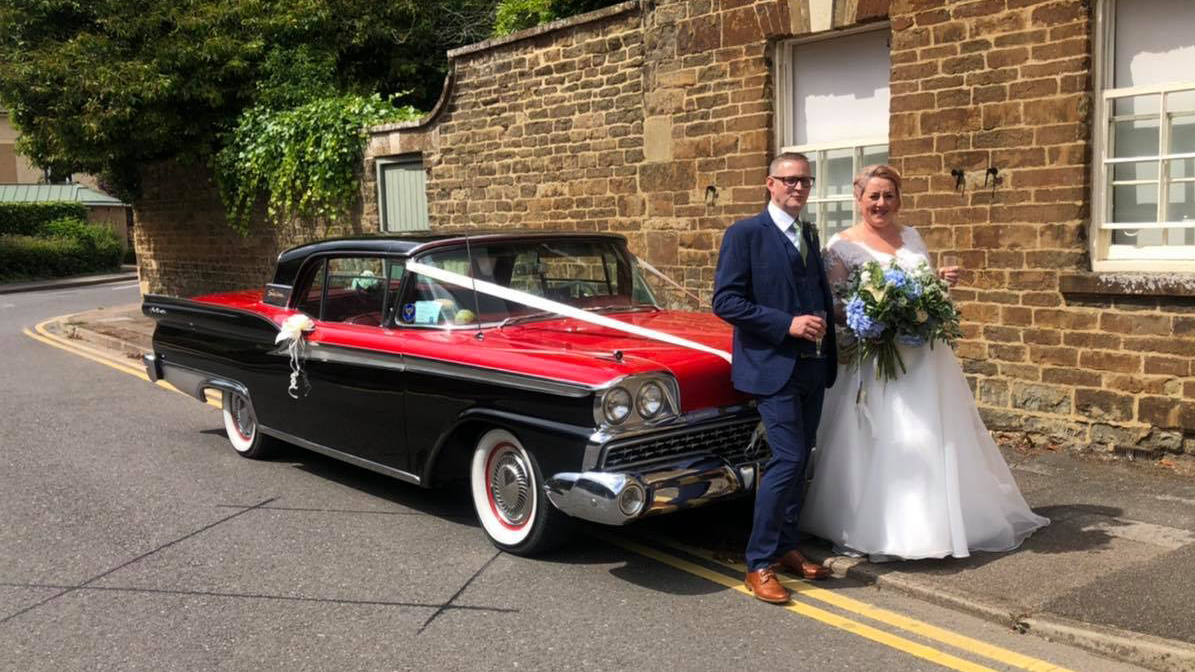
[890,305]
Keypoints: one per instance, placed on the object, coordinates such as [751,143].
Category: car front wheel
[240,423]
[507,488]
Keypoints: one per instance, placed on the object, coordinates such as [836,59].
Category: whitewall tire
[507,489]
[240,423]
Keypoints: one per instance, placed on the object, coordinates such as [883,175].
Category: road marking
[809,611]
[40,333]
[810,590]
[120,287]
[807,590]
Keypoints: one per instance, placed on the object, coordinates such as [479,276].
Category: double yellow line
[43,334]
[804,590]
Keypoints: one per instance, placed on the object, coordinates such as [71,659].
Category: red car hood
[704,378]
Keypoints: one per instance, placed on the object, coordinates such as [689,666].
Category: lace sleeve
[837,271]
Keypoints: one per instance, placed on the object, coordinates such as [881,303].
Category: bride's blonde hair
[880,170]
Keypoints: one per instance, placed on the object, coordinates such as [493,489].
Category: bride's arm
[837,272]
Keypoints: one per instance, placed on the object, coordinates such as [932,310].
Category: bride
[906,469]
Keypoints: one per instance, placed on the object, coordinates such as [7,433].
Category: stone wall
[1053,351]
[185,246]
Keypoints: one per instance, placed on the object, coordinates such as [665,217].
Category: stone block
[993,392]
[1103,404]
[1041,398]
[1166,412]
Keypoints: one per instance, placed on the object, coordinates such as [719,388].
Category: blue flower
[860,323]
[914,289]
[895,277]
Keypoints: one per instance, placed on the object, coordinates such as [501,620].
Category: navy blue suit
[761,284]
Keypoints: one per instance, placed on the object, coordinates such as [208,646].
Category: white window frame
[1106,257]
[380,172]
[785,132]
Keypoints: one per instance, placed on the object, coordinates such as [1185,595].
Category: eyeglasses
[791,181]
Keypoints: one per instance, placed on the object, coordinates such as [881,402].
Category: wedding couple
[905,469]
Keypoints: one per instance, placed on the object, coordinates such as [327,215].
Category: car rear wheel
[508,496]
[240,422]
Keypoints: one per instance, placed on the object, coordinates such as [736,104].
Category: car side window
[309,301]
[355,291]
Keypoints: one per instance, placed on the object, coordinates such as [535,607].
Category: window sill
[1128,284]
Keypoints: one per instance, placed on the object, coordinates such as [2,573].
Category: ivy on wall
[304,160]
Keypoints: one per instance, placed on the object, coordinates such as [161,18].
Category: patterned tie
[794,235]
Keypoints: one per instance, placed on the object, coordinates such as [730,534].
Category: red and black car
[449,369]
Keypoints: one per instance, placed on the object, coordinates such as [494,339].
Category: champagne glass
[951,263]
[817,345]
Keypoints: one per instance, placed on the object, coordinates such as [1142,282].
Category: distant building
[101,208]
[22,182]
[14,168]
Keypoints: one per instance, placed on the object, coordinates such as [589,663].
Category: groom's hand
[808,327]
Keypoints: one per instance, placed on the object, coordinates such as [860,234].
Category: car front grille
[728,440]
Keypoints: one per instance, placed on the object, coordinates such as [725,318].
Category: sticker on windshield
[427,312]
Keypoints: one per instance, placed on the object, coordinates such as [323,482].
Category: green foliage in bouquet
[890,306]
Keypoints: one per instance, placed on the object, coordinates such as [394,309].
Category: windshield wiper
[621,307]
[513,319]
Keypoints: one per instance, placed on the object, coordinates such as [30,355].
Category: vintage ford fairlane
[538,366]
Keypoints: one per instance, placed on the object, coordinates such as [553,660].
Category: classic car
[538,366]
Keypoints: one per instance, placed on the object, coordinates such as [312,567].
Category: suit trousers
[790,418]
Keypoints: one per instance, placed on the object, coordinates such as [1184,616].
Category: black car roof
[413,243]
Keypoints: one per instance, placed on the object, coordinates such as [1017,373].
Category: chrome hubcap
[242,415]
[510,486]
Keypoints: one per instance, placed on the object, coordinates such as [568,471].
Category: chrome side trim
[338,354]
[343,457]
[342,354]
[485,375]
[194,382]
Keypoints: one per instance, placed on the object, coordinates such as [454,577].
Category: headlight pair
[650,400]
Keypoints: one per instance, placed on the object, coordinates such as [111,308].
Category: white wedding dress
[906,469]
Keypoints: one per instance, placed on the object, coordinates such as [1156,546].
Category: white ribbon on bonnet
[540,303]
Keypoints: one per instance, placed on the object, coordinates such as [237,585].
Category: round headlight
[650,400]
[617,405]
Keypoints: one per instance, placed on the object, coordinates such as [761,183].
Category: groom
[769,282]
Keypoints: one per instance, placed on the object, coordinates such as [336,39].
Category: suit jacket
[755,289]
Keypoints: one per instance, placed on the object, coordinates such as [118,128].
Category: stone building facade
[1007,119]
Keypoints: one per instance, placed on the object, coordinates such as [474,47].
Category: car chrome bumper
[187,380]
[610,497]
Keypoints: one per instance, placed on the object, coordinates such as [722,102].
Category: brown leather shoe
[796,563]
[765,586]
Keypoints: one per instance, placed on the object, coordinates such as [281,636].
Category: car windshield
[591,275]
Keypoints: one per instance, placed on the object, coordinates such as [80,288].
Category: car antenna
[476,302]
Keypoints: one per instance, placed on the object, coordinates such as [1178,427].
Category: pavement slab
[1152,596]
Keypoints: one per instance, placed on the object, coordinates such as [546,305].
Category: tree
[109,86]
[515,15]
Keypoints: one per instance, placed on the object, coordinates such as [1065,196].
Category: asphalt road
[133,538]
